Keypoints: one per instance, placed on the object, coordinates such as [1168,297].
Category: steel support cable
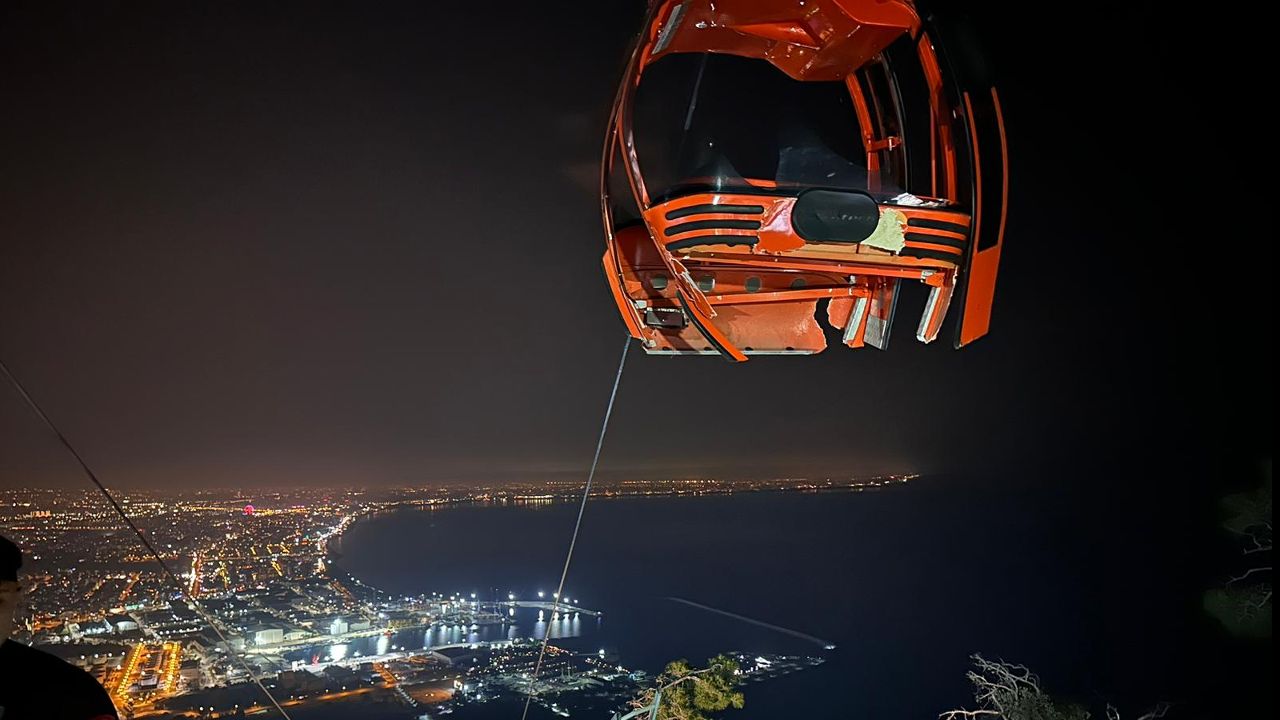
[577,525]
[177,583]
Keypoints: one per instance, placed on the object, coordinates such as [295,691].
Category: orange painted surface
[745,282]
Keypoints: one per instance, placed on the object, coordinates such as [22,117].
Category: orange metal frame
[703,276]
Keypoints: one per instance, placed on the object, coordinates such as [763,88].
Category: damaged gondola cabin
[765,155]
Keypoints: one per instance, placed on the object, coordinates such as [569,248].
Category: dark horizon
[560,481]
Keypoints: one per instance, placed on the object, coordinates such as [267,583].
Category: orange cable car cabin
[763,155]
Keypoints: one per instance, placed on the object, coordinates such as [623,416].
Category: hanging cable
[577,525]
[177,583]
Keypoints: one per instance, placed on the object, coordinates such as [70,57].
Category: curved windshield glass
[721,122]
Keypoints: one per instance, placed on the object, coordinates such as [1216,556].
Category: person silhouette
[35,685]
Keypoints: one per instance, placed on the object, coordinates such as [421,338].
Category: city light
[271,585]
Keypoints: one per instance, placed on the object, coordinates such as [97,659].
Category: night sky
[249,244]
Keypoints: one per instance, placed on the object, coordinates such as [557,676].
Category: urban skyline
[256,569]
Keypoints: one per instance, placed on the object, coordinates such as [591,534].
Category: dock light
[541,594]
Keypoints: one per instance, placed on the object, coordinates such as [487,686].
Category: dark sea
[907,582]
